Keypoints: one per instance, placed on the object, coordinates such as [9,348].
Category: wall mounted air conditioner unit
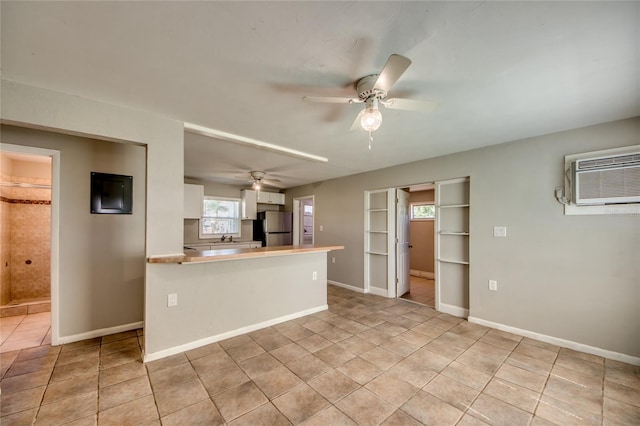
[613,179]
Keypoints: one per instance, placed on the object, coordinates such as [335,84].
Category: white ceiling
[500,71]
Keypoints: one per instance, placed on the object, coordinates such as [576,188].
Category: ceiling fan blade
[356,123]
[410,104]
[273,182]
[396,66]
[331,100]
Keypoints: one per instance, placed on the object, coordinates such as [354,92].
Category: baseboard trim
[100,332]
[347,286]
[378,291]
[422,274]
[605,353]
[456,311]
[372,290]
[227,335]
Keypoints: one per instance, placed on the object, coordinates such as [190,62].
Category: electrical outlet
[315,275]
[333,259]
[499,231]
[321,228]
[493,285]
[172,300]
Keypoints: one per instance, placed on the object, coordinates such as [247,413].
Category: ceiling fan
[372,91]
[258,180]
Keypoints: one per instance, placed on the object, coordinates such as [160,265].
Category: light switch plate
[493,285]
[172,300]
[499,231]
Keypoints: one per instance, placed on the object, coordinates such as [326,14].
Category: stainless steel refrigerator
[273,228]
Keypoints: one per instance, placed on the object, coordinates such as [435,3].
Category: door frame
[298,216]
[401,275]
[55,228]
[393,262]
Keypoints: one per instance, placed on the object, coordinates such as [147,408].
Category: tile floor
[421,290]
[25,331]
[367,360]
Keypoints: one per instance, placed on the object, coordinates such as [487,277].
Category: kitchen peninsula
[228,292]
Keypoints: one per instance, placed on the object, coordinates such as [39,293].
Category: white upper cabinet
[193,195]
[270,198]
[249,208]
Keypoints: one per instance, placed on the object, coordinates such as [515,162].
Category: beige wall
[42,108]
[35,107]
[571,277]
[421,236]
[102,257]
[217,300]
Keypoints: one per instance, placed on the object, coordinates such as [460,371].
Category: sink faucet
[224,237]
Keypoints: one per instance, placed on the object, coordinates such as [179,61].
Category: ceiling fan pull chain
[370,139]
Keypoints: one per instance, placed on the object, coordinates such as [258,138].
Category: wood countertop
[235,254]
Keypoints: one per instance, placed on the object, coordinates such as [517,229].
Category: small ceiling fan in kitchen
[372,90]
[257,179]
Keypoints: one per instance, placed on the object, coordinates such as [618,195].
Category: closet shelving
[377,237]
[452,248]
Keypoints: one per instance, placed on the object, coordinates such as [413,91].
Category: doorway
[450,224]
[421,215]
[29,217]
[303,219]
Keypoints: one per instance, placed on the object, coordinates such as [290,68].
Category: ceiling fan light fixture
[257,180]
[372,118]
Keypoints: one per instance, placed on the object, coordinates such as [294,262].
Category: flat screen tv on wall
[111,194]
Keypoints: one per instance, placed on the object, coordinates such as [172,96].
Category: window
[423,211]
[220,216]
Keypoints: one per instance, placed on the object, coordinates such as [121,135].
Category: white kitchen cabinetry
[249,207]
[270,198]
[279,198]
[193,195]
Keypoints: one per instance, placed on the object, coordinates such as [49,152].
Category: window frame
[422,203]
[238,219]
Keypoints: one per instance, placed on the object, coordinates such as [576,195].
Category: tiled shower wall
[5,253]
[26,248]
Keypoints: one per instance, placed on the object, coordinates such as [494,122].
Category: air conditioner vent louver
[619,160]
[607,180]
